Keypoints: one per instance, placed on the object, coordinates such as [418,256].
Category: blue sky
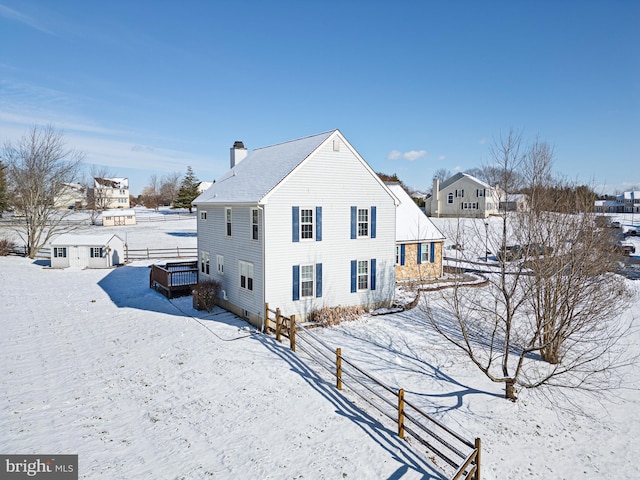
[148,87]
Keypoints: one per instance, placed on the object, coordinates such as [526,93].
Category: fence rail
[159,253]
[459,458]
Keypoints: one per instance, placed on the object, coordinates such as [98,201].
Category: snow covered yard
[94,362]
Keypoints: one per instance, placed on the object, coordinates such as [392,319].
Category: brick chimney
[238,153]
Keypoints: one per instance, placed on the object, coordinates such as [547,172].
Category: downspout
[264,278]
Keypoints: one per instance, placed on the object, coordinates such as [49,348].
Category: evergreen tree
[188,191]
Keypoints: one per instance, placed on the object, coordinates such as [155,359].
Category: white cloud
[457,168]
[394,155]
[442,157]
[410,156]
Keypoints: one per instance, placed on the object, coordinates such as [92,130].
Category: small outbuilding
[87,251]
[118,216]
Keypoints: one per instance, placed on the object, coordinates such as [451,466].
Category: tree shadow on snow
[182,234]
[388,439]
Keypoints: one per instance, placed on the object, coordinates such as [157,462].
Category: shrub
[6,246]
[205,294]
[327,316]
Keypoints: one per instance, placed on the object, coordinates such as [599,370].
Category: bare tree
[169,185]
[151,193]
[39,167]
[549,313]
[442,174]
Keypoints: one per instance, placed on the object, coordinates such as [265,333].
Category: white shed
[87,251]
[119,216]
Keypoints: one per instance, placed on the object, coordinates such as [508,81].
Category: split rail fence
[131,254]
[456,456]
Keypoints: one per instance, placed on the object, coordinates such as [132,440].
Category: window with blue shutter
[402,248]
[354,276]
[318,224]
[318,280]
[373,274]
[296,282]
[433,252]
[419,259]
[354,222]
[295,224]
[373,222]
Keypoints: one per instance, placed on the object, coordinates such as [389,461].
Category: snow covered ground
[94,362]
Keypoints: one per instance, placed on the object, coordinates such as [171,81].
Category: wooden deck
[174,278]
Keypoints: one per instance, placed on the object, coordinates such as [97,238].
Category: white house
[111,193]
[300,225]
[117,216]
[462,195]
[72,195]
[627,202]
[87,251]
[419,243]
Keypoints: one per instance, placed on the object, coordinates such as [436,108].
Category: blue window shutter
[318,224]
[373,274]
[373,222]
[295,224]
[354,221]
[432,253]
[318,280]
[354,277]
[419,259]
[402,254]
[296,282]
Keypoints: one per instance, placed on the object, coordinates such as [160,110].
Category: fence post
[339,368]
[148,255]
[278,325]
[478,445]
[178,250]
[292,333]
[126,253]
[266,317]
[401,413]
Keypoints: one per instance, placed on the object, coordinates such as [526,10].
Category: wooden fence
[456,456]
[131,254]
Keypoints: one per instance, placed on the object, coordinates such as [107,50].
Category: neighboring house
[87,251]
[115,217]
[462,195]
[608,206]
[299,225]
[516,202]
[419,244]
[72,195]
[109,193]
[627,202]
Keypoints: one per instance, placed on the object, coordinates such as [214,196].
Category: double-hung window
[254,224]
[363,222]
[306,223]
[307,276]
[450,198]
[246,275]
[227,213]
[60,252]
[205,259]
[96,252]
[220,264]
[363,274]
[203,215]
